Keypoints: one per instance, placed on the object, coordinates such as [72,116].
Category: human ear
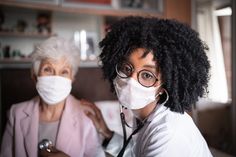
[160,90]
[33,76]
[73,79]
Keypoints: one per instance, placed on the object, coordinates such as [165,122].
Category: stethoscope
[139,125]
[124,124]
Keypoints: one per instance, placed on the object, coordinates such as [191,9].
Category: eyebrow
[66,67]
[46,64]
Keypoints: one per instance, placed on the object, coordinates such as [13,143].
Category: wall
[233,111]
[179,9]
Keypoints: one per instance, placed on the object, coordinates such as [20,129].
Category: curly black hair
[179,53]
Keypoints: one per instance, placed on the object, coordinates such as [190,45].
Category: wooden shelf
[14,60]
[25,34]
[81,8]
[19,63]
[15,63]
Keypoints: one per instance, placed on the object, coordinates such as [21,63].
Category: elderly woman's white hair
[55,48]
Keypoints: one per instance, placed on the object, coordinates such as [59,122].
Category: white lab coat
[166,134]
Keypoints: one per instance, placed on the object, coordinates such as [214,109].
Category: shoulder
[170,120]
[75,109]
[172,134]
[28,105]
[74,106]
[172,124]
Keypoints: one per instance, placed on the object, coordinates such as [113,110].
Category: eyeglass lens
[124,70]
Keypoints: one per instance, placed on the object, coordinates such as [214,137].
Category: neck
[143,113]
[50,113]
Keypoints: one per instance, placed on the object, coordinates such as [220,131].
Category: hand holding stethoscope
[46,149]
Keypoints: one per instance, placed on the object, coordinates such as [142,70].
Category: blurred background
[26,23]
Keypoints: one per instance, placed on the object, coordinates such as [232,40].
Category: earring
[158,94]
[167,96]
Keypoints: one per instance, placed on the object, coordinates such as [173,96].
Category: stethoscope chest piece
[45,144]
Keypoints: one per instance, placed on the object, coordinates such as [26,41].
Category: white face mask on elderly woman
[53,89]
[132,94]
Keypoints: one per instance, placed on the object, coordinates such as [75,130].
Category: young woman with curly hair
[158,69]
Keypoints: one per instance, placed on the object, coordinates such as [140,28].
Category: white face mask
[53,89]
[132,94]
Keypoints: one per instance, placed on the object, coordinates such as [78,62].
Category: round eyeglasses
[145,78]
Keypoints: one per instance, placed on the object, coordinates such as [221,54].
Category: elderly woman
[54,115]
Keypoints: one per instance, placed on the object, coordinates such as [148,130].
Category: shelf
[22,63]
[14,60]
[81,8]
[25,34]
[18,63]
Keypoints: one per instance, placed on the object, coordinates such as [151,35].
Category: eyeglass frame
[138,73]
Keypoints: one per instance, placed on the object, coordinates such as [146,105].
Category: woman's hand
[97,118]
[52,152]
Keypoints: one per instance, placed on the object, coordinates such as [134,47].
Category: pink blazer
[76,137]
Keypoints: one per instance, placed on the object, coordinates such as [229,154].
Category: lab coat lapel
[67,126]
[29,126]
